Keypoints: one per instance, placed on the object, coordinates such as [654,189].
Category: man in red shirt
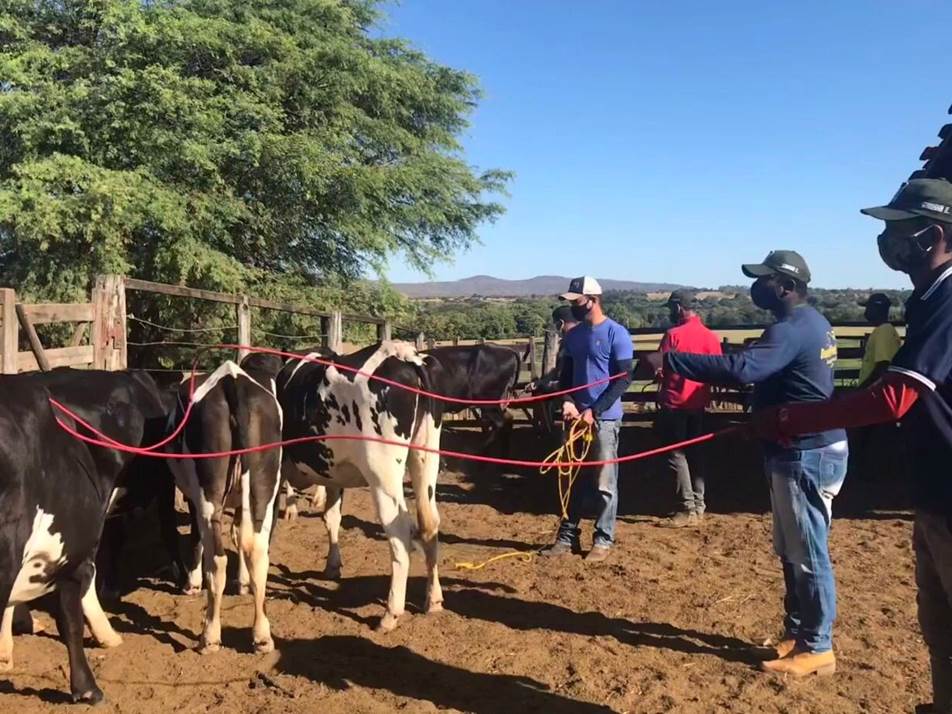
[681,405]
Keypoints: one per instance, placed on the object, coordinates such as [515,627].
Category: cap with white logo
[579,287]
[784,262]
[928,198]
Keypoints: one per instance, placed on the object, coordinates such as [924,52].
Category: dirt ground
[666,625]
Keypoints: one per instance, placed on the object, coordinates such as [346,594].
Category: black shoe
[557,550]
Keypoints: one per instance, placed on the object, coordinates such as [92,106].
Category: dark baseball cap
[877,300]
[563,313]
[929,198]
[684,298]
[782,262]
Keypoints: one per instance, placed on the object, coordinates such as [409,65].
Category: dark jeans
[671,426]
[932,540]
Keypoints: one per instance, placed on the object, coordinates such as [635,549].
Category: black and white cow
[234,408]
[54,493]
[140,481]
[321,400]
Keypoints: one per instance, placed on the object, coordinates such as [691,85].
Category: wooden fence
[332,323]
[98,339]
[641,397]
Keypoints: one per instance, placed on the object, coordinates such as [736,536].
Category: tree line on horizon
[497,319]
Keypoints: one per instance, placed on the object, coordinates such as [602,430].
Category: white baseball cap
[579,287]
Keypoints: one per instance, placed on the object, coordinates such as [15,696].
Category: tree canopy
[267,146]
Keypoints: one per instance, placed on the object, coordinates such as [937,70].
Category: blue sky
[673,141]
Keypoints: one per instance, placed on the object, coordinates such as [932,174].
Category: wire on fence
[169,328]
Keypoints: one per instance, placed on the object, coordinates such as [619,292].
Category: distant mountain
[488,286]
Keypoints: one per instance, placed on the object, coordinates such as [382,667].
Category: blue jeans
[802,487]
[596,491]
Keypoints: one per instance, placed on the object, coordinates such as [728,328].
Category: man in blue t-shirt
[596,349]
[791,362]
[916,388]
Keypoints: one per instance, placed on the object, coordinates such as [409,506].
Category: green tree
[263,146]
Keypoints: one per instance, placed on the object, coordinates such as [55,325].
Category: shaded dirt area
[666,625]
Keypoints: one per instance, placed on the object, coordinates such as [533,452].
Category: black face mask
[764,295]
[904,253]
[579,312]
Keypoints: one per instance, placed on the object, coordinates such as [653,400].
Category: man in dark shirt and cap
[916,388]
[791,362]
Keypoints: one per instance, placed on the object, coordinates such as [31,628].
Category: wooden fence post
[243,313]
[420,340]
[550,351]
[532,359]
[109,323]
[384,331]
[9,344]
[335,332]
[430,343]
[35,344]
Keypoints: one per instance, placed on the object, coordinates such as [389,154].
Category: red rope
[103,440]
[109,443]
[327,363]
[414,390]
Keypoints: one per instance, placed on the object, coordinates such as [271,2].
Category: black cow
[54,493]
[480,372]
[234,408]
[321,400]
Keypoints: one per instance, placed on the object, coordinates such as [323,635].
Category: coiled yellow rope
[573,450]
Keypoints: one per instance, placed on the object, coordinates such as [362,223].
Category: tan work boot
[598,554]
[801,664]
[779,650]
[683,519]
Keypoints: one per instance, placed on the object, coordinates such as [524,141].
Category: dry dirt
[666,625]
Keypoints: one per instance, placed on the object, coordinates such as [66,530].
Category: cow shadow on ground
[344,597]
[374,531]
[876,485]
[519,614]
[47,694]
[136,619]
[341,662]
[493,602]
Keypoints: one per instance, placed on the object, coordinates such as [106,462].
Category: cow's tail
[240,436]
[428,519]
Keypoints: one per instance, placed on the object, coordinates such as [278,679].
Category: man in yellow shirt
[883,341]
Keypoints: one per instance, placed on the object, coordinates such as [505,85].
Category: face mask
[763,295]
[903,253]
[580,311]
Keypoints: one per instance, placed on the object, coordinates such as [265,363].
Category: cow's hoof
[110,641]
[265,646]
[291,513]
[207,648]
[192,590]
[388,623]
[434,608]
[36,626]
[244,589]
[6,664]
[90,696]
[331,574]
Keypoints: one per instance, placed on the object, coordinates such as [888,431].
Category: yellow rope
[573,450]
[526,557]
